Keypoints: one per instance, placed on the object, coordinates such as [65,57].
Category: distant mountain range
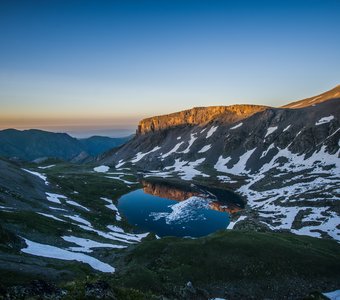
[284,161]
[36,144]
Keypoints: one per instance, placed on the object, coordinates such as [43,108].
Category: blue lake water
[190,214]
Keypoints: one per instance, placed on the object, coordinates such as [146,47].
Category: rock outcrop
[198,116]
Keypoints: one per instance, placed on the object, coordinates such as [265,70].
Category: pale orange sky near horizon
[101,67]
[81,121]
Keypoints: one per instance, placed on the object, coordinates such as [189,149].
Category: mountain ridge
[35,144]
[228,113]
[284,162]
[198,115]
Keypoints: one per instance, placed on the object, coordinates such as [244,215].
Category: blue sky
[81,65]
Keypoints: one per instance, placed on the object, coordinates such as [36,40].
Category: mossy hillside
[234,259]
[81,184]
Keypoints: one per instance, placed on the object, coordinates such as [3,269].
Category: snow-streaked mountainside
[284,161]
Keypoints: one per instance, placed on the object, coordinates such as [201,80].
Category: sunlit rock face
[331,94]
[164,190]
[198,116]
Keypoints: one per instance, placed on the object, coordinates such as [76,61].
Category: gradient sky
[93,66]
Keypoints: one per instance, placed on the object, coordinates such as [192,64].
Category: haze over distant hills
[35,144]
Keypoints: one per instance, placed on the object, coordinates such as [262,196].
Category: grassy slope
[235,263]
[232,264]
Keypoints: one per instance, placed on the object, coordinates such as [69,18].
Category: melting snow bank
[55,198]
[232,224]
[86,245]
[236,126]
[270,130]
[333,295]
[44,250]
[112,207]
[324,120]
[184,211]
[140,155]
[47,167]
[101,169]
[73,203]
[187,169]
[211,131]
[41,176]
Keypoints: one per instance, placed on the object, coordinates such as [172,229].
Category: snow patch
[287,128]
[270,130]
[232,224]
[120,163]
[112,207]
[238,168]
[191,141]
[187,169]
[76,204]
[205,149]
[101,169]
[47,167]
[211,131]
[79,219]
[174,149]
[236,126]
[55,198]
[86,245]
[51,217]
[140,155]
[44,250]
[324,120]
[271,146]
[41,176]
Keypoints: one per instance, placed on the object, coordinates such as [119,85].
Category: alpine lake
[168,209]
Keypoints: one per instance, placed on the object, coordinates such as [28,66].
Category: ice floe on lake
[184,211]
[335,295]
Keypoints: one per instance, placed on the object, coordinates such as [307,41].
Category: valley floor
[63,226]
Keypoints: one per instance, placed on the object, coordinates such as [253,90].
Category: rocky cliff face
[198,116]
